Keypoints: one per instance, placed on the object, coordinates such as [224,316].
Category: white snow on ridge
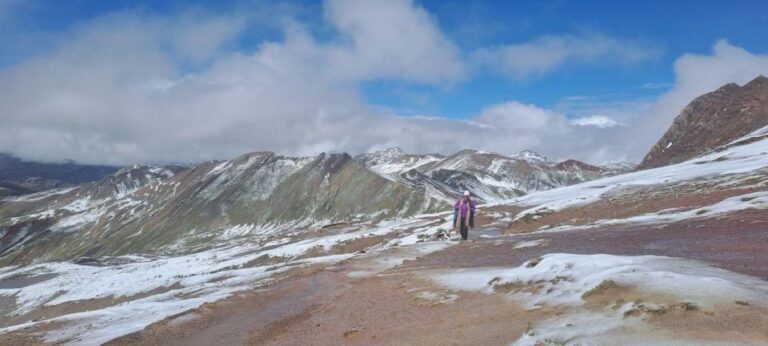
[390,168]
[39,195]
[531,156]
[735,160]
[219,168]
[74,222]
[755,200]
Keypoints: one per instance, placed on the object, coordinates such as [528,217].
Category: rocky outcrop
[712,120]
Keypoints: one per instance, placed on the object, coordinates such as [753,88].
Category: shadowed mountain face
[710,121]
[19,177]
[13,168]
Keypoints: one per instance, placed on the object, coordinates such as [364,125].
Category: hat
[466,193]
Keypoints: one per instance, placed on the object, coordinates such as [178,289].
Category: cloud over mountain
[134,87]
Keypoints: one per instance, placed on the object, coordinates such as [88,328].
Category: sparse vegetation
[631,312]
[349,332]
[507,287]
[653,309]
[619,303]
[600,288]
[532,262]
[688,306]
[536,215]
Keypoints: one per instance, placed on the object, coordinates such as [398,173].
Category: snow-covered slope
[741,160]
[489,176]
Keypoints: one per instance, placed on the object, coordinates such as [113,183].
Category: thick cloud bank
[120,89]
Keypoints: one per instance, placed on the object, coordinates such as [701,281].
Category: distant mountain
[143,209]
[29,185]
[20,177]
[712,120]
[489,176]
[395,160]
[532,157]
[619,167]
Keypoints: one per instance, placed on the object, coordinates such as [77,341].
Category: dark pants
[464,229]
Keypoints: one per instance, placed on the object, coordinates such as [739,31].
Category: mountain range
[489,176]
[176,209]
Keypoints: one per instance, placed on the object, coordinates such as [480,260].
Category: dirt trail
[339,305]
[353,302]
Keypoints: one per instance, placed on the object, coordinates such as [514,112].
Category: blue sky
[465,62]
[676,27]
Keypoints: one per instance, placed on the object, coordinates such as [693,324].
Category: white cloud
[117,90]
[390,39]
[547,53]
[599,121]
[645,121]
[695,74]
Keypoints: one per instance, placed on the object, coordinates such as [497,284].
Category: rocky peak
[759,82]
[619,166]
[394,151]
[575,165]
[531,156]
[712,120]
[465,152]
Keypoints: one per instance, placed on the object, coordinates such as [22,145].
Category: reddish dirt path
[736,242]
[333,308]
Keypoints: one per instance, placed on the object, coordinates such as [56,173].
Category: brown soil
[632,201]
[737,242]
[748,324]
[397,316]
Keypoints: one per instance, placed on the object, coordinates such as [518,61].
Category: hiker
[464,213]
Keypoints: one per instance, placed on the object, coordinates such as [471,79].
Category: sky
[122,82]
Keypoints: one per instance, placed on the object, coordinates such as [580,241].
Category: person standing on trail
[464,213]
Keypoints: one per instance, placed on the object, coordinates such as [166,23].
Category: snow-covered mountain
[619,167]
[489,176]
[156,209]
[180,209]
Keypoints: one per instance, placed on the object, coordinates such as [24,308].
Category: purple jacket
[463,207]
